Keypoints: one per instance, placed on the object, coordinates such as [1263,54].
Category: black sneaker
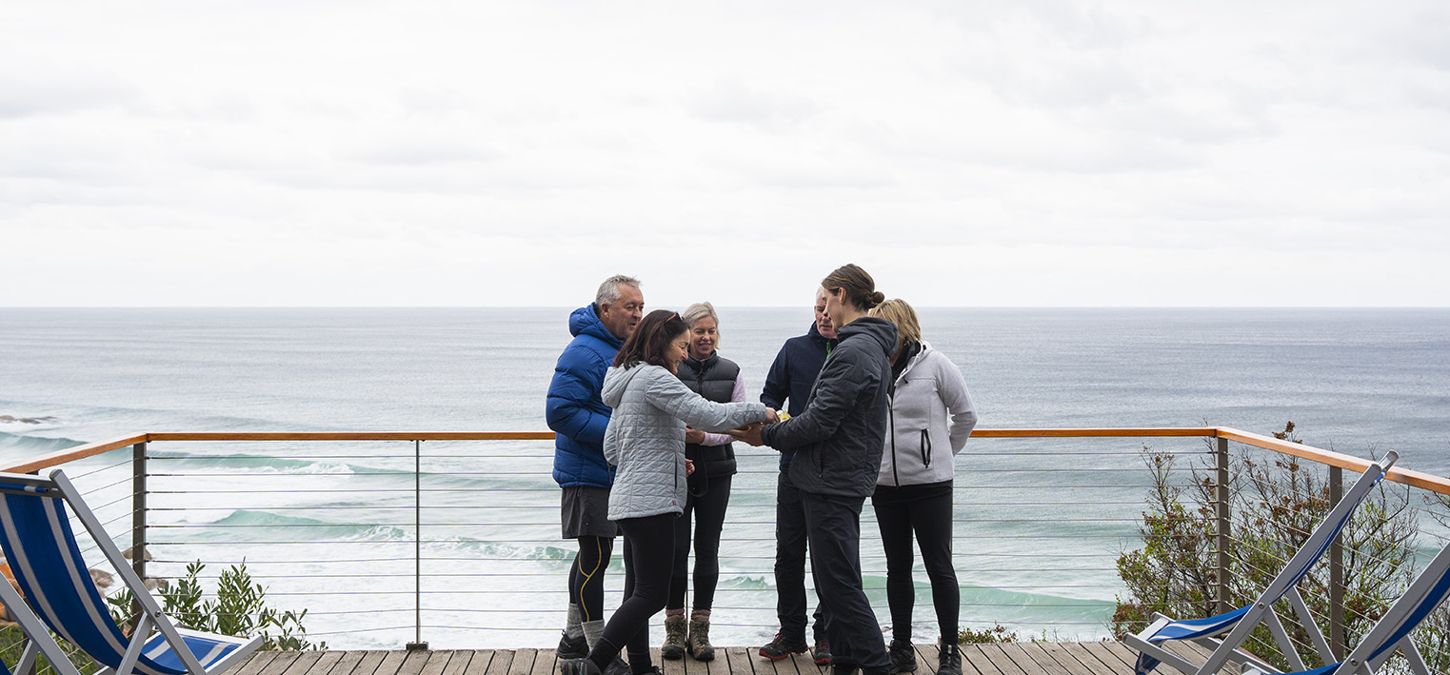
[617,667]
[949,662]
[782,647]
[821,653]
[571,648]
[578,667]
[903,657]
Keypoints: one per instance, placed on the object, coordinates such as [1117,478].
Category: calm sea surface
[1357,381]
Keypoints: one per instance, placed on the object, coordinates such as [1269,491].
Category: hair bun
[876,298]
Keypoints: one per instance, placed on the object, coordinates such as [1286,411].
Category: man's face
[823,320]
[622,315]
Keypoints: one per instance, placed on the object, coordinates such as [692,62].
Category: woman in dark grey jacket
[931,417]
[645,441]
[838,440]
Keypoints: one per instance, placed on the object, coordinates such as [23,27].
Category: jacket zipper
[926,448]
[891,414]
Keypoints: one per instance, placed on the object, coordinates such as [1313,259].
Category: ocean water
[330,526]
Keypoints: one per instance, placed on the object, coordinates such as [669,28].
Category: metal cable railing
[1036,545]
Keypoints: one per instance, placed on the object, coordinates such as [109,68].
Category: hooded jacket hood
[574,410]
[616,380]
[586,321]
[879,330]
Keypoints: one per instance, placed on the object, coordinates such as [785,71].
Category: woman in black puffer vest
[717,379]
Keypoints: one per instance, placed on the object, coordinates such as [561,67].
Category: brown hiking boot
[674,646]
[698,643]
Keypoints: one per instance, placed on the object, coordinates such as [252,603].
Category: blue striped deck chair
[1392,631]
[1239,623]
[60,597]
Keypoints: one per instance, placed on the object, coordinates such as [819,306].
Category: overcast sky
[1039,153]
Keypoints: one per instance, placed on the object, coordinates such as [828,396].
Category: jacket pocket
[926,449]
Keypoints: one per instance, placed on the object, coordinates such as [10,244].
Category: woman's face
[676,351]
[702,338]
[836,306]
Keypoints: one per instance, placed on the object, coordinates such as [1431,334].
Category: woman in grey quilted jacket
[645,440]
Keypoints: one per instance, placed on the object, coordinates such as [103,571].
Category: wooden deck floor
[1030,658]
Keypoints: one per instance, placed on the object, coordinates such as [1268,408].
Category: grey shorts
[585,513]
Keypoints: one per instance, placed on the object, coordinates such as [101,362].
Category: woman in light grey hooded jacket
[931,417]
[645,440]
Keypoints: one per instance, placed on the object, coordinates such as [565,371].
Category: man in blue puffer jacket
[578,416]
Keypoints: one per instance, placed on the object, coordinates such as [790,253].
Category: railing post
[1221,532]
[1336,571]
[417,644]
[138,516]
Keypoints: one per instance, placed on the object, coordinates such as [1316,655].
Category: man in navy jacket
[790,379]
[577,414]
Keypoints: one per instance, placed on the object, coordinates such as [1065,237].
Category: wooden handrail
[72,454]
[352,436]
[1419,479]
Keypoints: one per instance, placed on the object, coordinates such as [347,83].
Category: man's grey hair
[609,290]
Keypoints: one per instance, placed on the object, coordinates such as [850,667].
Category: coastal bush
[12,644]
[1274,504]
[239,608]
[995,634]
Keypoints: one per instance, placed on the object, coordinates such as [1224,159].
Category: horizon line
[555,307]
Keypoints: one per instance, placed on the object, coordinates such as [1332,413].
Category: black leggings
[648,545]
[709,516]
[586,577]
[927,511]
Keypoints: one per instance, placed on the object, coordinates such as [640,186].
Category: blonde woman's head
[901,315]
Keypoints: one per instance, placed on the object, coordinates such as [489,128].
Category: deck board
[974,658]
[1065,657]
[671,666]
[1110,658]
[344,664]
[742,662]
[1008,662]
[545,662]
[926,659]
[303,663]
[458,663]
[1027,658]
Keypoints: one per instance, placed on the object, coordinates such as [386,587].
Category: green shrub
[239,609]
[1273,507]
[997,633]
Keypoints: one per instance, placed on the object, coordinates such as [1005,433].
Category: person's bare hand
[771,415]
[750,434]
[694,436]
[689,468]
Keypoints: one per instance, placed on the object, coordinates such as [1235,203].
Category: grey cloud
[733,101]
[27,95]
[421,153]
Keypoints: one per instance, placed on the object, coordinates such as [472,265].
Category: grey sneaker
[674,646]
